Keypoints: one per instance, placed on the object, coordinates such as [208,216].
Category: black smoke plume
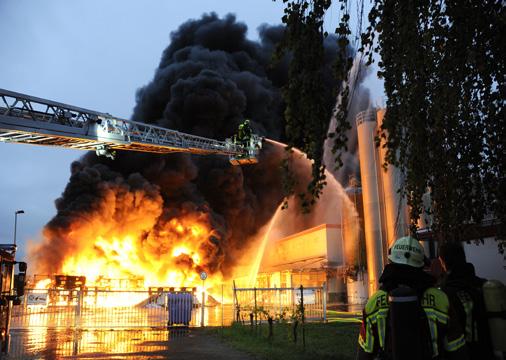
[209,79]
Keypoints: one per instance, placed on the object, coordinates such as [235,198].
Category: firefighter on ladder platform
[12,288]
[244,134]
[247,142]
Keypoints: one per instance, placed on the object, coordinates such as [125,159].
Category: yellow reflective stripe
[468,308]
[436,299]
[441,317]
[377,301]
[381,313]
[381,331]
[434,317]
[433,335]
[467,303]
[368,344]
[378,319]
[455,344]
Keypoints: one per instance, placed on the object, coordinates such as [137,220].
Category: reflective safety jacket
[444,330]
[464,289]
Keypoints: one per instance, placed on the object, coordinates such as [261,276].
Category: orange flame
[171,255]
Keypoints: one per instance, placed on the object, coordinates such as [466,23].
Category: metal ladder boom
[31,120]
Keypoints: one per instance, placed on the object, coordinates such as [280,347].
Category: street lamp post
[16,223]
[203,277]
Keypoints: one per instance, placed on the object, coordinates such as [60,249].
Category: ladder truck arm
[31,120]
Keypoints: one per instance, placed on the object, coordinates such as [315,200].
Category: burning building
[312,257]
[362,232]
[322,247]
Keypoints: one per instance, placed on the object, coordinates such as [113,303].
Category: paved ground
[202,346]
[120,344]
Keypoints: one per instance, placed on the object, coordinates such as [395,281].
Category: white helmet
[407,251]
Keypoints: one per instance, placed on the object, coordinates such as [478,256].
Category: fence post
[203,305]
[77,317]
[236,302]
[222,309]
[25,299]
[255,294]
[280,305]
[324,297]
[302,316]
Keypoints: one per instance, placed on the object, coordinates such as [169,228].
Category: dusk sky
[93,54]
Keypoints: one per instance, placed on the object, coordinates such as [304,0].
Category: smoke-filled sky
[94,54]
[210,77]
[91,54]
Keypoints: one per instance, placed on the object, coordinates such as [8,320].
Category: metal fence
[257,304]
[90,309]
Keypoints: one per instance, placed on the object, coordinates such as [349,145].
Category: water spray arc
[334,207]
[261,249]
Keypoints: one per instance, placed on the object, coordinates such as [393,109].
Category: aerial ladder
[31,120]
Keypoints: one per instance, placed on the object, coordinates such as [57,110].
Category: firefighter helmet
[407,251]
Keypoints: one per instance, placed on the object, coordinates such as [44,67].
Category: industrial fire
[294,185]
[192,183]
[166,218]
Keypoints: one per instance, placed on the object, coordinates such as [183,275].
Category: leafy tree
[309,102]
[443,65]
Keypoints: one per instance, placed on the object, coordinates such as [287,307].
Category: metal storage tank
[396,217]
[366,130]
[385,210]
[355,275]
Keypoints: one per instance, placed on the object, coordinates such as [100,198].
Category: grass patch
[323,341]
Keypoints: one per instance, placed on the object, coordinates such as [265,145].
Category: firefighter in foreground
[408,318]
[465,291]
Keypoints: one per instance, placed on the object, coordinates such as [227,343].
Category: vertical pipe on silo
[366,129]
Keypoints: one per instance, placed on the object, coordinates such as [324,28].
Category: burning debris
[167,217]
